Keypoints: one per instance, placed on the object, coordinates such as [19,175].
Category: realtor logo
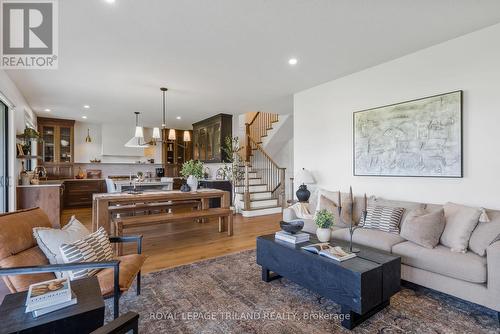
[29,34]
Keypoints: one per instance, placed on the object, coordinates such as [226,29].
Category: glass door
[48,145]
[4,177]
[65,144]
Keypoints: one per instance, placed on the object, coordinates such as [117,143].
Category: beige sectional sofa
[470,276]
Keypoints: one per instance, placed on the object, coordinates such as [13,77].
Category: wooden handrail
[254,118]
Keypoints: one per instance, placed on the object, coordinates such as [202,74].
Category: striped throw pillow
[383,218]
[93,248]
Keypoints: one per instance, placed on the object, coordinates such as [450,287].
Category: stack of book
[49,296]
[295,238]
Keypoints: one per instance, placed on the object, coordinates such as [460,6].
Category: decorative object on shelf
[324,220]
[40,172]
[28,136]
[80,174]
[220,174]
[20,150]
[138,139]
[24,176]
[64,143]
[305,177]
[185,188]
[206,172]
[292,227]
[95,161]
[421,137]
[88,139]
[193,170]
[140,176]
[94,173]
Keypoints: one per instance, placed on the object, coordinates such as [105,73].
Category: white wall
[16,126]
[323,120]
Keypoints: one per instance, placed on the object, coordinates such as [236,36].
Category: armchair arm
[129,238]
[115,264]
[493,263]
[289,215]
[123,324]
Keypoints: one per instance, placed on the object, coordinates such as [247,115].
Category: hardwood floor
[175,244]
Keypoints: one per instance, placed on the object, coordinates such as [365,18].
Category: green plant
[192,167]
[324,219]
[233,171]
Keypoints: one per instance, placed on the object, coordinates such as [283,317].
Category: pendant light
[138,139]
[88,139]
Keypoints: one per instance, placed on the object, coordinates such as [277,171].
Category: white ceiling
[227,55]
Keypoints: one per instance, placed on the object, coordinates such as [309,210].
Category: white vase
[192,182]
[323,234]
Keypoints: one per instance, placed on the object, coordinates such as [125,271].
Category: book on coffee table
[336,253]
[295,238]
[48,293]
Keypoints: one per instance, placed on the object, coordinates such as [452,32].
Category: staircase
[262,191]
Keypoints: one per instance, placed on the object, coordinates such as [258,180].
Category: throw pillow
[93,248]
[331,206]
[50,239]
[383,218]
[485,233]
[423,228]
[460,222]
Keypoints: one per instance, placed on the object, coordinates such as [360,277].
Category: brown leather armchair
[23,263]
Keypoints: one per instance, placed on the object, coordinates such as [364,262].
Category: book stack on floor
[49,296]
[295,238]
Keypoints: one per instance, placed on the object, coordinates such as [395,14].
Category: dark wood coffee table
[85,316]
[362,285]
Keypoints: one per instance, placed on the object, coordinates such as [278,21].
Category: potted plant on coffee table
[193,170]
[324,220]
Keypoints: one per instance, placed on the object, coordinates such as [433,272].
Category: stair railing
[272,176]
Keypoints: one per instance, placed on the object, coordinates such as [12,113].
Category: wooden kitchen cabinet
[176,152]
[57,147]
[209,137]
[78,193]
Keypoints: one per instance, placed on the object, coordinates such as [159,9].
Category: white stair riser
[254,196]
[255,181]
[252,188]
[260,204]
[262,212]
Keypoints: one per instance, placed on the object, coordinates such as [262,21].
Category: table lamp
[304,177]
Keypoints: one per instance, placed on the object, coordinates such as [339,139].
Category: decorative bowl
[292,227]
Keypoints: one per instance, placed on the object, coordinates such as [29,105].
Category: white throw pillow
[460,222]
[50,240]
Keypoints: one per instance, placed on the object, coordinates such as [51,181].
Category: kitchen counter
[56,183]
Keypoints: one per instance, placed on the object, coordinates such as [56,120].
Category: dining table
[101,202]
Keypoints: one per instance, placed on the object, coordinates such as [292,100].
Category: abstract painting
[415,138]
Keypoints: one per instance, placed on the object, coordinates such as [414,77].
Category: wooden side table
[84,317]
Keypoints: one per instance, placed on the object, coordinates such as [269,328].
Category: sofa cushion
[424,228]
[31,257]
[383,218]
[469,267]
[130,265]
[50,239]
[16,233]
[460,222]
[345,202]
[370,238]
[485,233]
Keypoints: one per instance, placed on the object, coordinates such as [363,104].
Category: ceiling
[227,56]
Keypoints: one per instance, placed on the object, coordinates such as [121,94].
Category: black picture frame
[461,175]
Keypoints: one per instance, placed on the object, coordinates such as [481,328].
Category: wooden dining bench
[223,214]
[148,208]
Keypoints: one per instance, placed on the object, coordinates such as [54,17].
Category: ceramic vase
[323,234]
[192,182]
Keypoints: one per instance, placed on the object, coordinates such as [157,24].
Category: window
[4,175]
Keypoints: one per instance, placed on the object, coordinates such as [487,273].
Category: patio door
[4,175]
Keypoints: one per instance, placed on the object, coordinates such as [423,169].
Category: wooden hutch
[209,136]
[176,152]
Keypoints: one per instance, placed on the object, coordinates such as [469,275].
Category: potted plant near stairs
[193,170]
[324,220]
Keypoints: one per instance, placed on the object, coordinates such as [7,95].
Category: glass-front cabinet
[209,137]
[176,152]
[57,147]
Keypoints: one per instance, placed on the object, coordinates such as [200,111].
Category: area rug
[226,295]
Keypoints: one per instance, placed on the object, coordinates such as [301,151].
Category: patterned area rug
[226,295]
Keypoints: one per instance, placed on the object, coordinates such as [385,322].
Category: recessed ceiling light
[110,1]
[47,110]
[292,61]
[178,117]
[84,117]
[86,106]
